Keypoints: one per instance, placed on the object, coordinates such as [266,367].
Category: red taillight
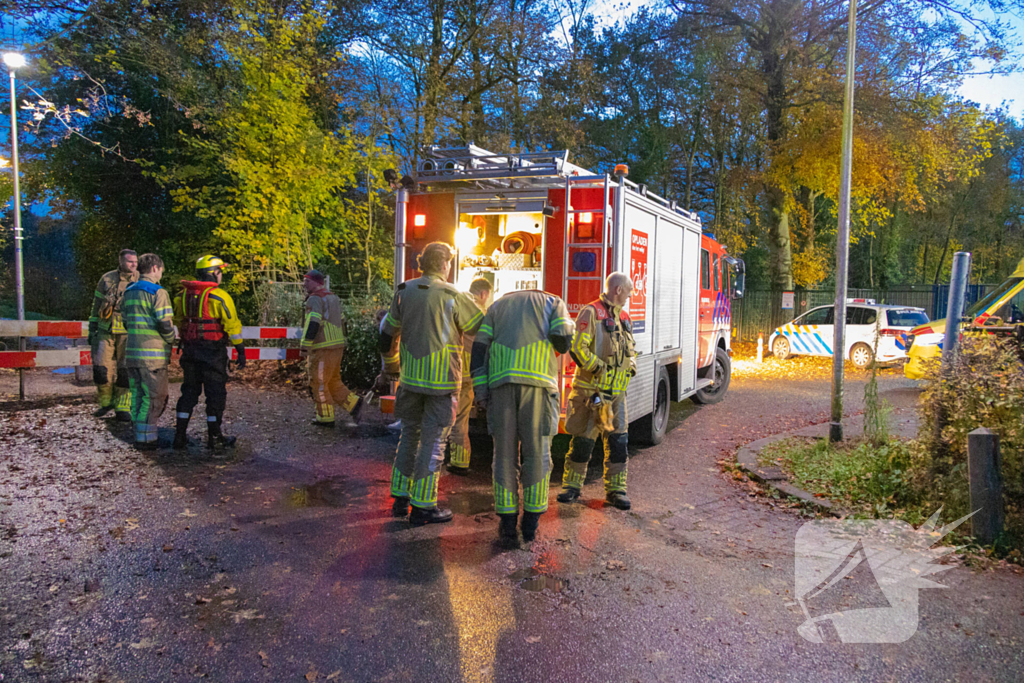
[419,220]
[890,333]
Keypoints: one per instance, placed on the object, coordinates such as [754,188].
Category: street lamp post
[835,432]
[14,61]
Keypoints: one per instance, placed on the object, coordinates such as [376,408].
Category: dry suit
[207,323]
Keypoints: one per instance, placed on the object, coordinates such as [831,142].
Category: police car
[812,333]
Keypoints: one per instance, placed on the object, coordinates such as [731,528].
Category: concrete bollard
[984,466]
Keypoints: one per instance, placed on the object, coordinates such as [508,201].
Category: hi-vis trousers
[109,373]
[149,398]
[522,420]
[426,421]
[581,421]
[324,371]
[458,441]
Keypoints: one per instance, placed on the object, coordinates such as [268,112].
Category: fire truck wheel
[781,348]
[651,428]
[722,375]
[862,356]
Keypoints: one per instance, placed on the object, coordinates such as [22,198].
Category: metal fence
[760,312]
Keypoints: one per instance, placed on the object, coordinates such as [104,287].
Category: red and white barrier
[44,328]
[46,359]
[79,330]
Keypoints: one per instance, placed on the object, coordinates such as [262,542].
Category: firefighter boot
[102,411]
[123,416]
[181,432]
[568,495]
[400,508]
[531,520]
[508,536]
[435,515]
[215,440]
[618,499]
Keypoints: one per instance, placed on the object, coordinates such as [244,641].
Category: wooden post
[984,471]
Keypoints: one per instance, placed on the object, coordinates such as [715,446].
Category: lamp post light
[14,61]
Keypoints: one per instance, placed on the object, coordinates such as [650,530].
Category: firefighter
[604,352]
[323,341]
[515,376]
[207,322]
[428,357]
[458,442]
[148,317]
[108,336]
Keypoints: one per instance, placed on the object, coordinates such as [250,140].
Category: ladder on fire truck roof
[485,171]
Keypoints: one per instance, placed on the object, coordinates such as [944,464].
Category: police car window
[856,315]
[715,270]
[905,317]
[819,316]
[705,269]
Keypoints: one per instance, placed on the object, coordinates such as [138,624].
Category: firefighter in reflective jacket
[108,338]
[207,322]
[149,319]
[515,376]
[604,352]
[433,315]
[323,339]
[458,441]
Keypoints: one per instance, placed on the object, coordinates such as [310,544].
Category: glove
[240,363]
[93,330]
[381,385]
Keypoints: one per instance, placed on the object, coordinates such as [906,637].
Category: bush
[984,388]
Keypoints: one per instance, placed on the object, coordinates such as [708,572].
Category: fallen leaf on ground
[615,564]
[312,674]
[533,639]
[334,675]
[168,547]
[143,644]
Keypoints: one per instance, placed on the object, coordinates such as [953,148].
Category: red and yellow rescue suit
[207,322]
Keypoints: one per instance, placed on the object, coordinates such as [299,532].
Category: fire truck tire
[781,348]
[652,428]
[721,374]
[862,356]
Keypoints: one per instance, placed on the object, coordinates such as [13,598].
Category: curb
[746,460]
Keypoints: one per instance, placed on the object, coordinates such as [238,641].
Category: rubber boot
[529,526]
[435,515]
[508,537]
[181,432]
[215,439]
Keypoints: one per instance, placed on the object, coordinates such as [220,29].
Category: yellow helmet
[210,262]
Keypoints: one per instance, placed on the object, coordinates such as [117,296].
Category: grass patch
[867,480]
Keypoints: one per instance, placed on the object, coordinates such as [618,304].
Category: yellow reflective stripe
[429,372]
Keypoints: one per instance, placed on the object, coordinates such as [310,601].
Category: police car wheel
[781,348]
[861,356]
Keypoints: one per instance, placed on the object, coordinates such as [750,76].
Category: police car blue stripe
[828,349]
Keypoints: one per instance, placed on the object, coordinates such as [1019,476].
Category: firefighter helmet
[209,262]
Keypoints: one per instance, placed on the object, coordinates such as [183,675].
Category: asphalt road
[283,563]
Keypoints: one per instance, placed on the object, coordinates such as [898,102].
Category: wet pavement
[283,563]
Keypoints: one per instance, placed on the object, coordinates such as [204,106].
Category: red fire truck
[536,221]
